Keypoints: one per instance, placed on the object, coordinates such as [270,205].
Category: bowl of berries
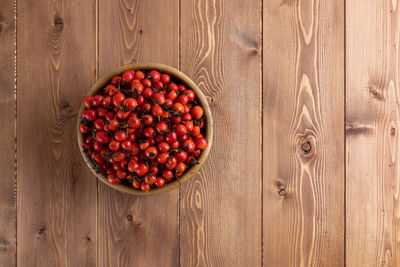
[145,129]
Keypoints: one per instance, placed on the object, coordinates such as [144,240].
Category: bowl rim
[177,75]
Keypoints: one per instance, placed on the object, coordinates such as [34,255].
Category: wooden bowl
[179,76]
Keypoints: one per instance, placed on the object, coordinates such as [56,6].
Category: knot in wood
[282,192]
[58,23]
[393,131]
[129,217]
[306,147]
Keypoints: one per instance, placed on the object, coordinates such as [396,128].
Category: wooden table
[304,170]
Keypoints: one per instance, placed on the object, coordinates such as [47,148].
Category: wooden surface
[304,168]
[373,124]
[7,133]
[303,171]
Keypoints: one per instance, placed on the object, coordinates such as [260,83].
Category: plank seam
[15,131]
[262,127]
[179,191]
[344,131]
[97,77]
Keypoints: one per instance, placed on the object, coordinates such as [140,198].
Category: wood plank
[220,211]
[303,171]
[7,133]
[56,192]
[137,231]
[372,133]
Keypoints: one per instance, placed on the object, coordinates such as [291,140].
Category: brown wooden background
[304,169]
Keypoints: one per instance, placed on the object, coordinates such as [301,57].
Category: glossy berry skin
[143,128]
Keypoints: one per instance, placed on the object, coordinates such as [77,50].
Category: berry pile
[143,129]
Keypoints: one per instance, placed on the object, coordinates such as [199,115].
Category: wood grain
[137,231]
[220,211]
[7,133]
[56,193]
[303,166]
[372,102]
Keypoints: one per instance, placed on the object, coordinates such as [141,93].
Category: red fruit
[197,112]
[147,93]
[122,115]
[163,158]
[183,99]
[159,138]
[128,76]
[148,132]
[88,147]
[190,94]
[130,103]
[150,179]
[139,75]
[112,180]
[189,125]
[116,80]
[183,138]
[195,131]
[163,147]
[157,111]
[158,86]
[97,146]
[126,145]
[133,166]
[133,122]
[109,116]
[161,127]
[172,95]
[132,137]
[175,145]
[97,100]
[102,137]
[117,157]
[170,137]
[144,187]
[179,108]
[196,153]
[89,114]
[180,169]
[160,182]
[136,184]
[144,145]
[99,123]
[147,119]
[114,145]
[186,109]
[106,101]
[188,146]
[172,87]
[140,100]
[154,76]
[167,174]
[121,174]
[159,98]
[120,135]
[171,163]
[165,78]
[83,128]
[180,130]
[142,169]
[181,88]
[111,90]
[201,143]
[88,101]
[113,125]
[137,87]
[101,112]
[180,155]
[152,142]
[176,119]
[146,83]
[146,107]
[118,98]
[186,117]
[151,152]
